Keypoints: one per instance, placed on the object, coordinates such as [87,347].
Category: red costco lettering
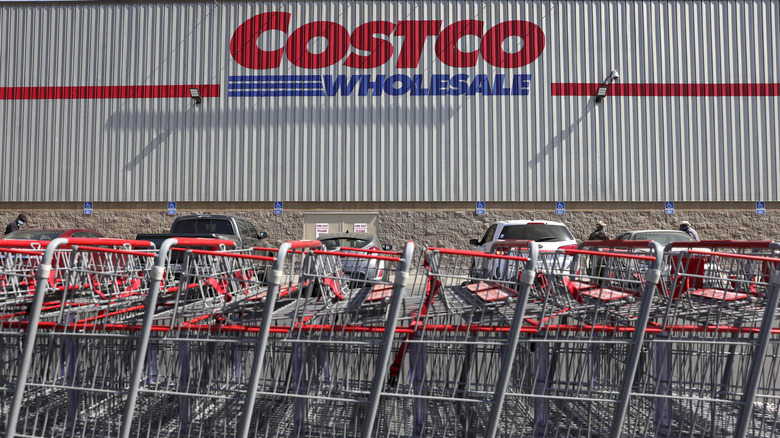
[338,43]
[363,39]
[415,34]
[494,38]
[447,43]
[243,45]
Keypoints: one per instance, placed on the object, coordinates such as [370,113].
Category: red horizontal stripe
[668,90]
[107,92]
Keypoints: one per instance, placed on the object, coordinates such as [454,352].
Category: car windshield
[34,234]
[536,232]
[203,226]
[663,237]
[345,242]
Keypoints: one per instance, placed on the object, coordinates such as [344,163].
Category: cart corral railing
[114,338]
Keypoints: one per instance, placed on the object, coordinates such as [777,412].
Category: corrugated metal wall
[640,146]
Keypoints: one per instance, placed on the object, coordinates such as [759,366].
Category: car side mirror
[263,235]
[387,247]
[474,242]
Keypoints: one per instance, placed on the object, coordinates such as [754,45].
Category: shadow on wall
[562,136]
[334,114]
[156,143]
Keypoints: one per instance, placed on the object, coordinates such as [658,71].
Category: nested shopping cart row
[614,338]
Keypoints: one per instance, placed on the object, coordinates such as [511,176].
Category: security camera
[615,75]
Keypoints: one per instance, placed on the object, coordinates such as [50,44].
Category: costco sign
[369,46]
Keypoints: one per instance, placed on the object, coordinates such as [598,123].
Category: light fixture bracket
[195,95]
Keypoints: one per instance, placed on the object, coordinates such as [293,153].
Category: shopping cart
[82,327]
[200,345]
[582,340]
[711,344]
[326,350]
[456,343]
[17,286]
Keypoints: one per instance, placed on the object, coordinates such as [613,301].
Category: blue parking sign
[278,207]
[760,207]
[172,207]
[480,207]
[88,207]
[560,207]
[669,207]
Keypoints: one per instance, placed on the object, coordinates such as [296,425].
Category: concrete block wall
[450,226]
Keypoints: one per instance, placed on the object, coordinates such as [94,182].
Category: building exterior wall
[95,103]
[425,224]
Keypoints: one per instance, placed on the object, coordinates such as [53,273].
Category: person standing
[686,226]
[599,233]
[17,223]
[597,265]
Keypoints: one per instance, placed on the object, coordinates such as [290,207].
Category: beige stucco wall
[443,224]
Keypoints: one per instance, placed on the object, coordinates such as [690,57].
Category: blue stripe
[275,93]
[275,78]
[284,86]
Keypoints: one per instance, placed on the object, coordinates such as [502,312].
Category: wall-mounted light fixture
[195,95]
[601,93]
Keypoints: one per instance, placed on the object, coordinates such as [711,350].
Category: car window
[489,234]
[536,232]
[243,228]
[34,234]
[664,237]
[345,242]
[82,234]
[224,227]
[252,231]
[624,236]
[184,227]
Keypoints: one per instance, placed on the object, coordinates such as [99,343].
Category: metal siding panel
[405,148]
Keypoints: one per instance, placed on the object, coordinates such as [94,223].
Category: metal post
[399,290]
[543,375]
[418,363]
[662,364]
[42,281]
[652,277]
[751,384]
[156,277]
[526,282]
[185,401]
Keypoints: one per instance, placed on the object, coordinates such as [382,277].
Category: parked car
[211,226]
[549,236]
[50,233]
[664,237]
[358,268]
[207,226]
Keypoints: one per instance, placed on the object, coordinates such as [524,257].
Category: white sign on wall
[361,228]
[320,229]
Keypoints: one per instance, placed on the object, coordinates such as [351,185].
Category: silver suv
[361,243]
